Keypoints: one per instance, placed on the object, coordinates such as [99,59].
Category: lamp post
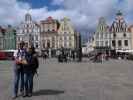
[79,48]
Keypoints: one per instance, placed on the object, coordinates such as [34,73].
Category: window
[70,44]
[106,43]
[97,43]
[36,38]
[36,45]
[53,42]
[126,42]
[114,35]
[119,43]
[48,43]
[70,38]
[65,44]
[97,35]
[124,35]
[18,38]
[113,43]
[101,35]
[106,36]
[60,39]
[101,43]
[44,45]
[65,38]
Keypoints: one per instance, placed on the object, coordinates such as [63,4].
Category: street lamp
[79,47]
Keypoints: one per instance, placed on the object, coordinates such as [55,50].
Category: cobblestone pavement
[112,80]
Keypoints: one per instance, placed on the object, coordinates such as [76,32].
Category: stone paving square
[112,80]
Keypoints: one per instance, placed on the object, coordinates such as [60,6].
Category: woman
[19,55]
[29,70]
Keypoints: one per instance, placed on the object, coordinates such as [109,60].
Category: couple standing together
[26,64]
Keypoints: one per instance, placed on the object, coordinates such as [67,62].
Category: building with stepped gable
[120,36]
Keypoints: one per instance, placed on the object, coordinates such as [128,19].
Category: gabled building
[120,36]
[67,36]
[102,35]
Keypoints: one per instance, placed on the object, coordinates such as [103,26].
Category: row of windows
[35,38]
[119,42]
[48,29]
[48,26]
[124,35]
[49,44]
[101,35]
[102,43]
[66,45]
[119,29]
[65,28]
[29,25]
[21,31]
[66,38]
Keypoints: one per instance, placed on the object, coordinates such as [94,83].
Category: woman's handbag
[24,62]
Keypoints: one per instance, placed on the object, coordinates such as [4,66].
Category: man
[19,55]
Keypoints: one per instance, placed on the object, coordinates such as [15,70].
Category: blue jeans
[18,74]
[28,81]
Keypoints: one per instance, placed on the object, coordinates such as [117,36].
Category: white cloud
[84,14]
[11,12]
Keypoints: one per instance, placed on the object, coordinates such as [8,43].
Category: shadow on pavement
[47,92]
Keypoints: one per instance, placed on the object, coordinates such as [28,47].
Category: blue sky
[84,14]
[35,4]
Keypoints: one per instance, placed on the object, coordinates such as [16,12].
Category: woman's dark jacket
[33,63]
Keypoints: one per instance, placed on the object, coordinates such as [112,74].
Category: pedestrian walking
[19,55]
[44,56]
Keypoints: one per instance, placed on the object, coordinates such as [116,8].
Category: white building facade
[120,36]
[102,35]
[29,32]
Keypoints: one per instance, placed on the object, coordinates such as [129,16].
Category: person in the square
[19,55]
[29,71]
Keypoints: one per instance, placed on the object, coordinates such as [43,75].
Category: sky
[84,14]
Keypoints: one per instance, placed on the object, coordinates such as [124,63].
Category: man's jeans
[28,81]
[18,74]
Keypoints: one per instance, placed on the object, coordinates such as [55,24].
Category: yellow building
[66,34]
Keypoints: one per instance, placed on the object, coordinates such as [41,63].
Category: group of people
[100,57]
[65,56]
[26,65]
